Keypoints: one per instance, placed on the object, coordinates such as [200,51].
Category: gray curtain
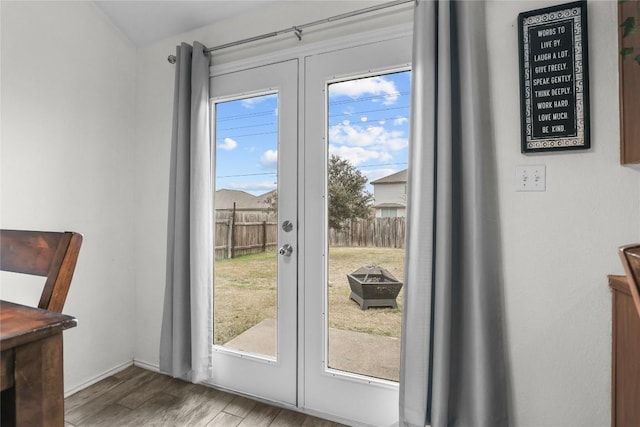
[187,327]
[453,370]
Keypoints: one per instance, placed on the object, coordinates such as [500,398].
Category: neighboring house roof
[224,200]
[389,205]
[264,198]
[394,178]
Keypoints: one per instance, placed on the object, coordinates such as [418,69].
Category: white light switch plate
[531,178]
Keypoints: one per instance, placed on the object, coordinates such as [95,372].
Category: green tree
[348,198]
[272,202]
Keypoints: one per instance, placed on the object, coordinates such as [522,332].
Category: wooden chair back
[630,256]
[42,253]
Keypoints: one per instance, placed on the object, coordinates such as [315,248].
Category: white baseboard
[146,365]
[114,370]
[121,367]
[141,363]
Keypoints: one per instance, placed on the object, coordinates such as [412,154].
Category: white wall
[559,246]
[68,108]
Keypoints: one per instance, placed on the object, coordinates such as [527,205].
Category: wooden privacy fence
[244,233]
[374,232]
[248,233]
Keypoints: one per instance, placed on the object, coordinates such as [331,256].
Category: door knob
[286,250]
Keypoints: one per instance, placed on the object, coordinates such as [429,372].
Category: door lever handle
[286,250]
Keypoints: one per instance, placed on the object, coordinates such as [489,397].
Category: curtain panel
[187,325]
[453,370]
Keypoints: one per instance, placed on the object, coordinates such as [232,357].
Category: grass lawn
[245,292]
[346,314]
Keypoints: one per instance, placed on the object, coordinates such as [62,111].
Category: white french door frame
[306,401]
[359,399]
[271,378]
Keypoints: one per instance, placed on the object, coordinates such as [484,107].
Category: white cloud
[269,159]
[399,121]
[252,102]
[364,119]
[372,137]
[359,155]
[228,144]
[349,111]
[377,86]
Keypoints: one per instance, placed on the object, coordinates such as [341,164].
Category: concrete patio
[367,354]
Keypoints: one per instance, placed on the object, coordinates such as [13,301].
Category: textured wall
[68,107]
[559,246]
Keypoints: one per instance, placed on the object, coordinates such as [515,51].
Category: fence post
[232,233]
[229,237]
[264,236]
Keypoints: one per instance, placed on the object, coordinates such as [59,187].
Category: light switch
[531,178]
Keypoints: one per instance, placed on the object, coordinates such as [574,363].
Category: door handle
[286,250]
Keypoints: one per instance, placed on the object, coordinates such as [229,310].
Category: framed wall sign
[554,78]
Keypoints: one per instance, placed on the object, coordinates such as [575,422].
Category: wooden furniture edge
[619,283]
[18,340]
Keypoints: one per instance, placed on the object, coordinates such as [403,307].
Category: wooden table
[625,357]
[31,375]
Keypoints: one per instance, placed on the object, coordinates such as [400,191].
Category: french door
[276,268]
[368,122]
[255,122]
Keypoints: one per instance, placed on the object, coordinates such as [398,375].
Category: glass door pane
[246,210]
[368,121]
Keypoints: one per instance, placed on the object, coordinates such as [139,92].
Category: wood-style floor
[138,397]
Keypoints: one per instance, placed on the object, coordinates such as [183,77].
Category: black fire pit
[374,286]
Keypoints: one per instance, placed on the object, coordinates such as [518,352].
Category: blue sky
[368,125]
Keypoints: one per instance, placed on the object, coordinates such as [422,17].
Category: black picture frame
[554,78]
